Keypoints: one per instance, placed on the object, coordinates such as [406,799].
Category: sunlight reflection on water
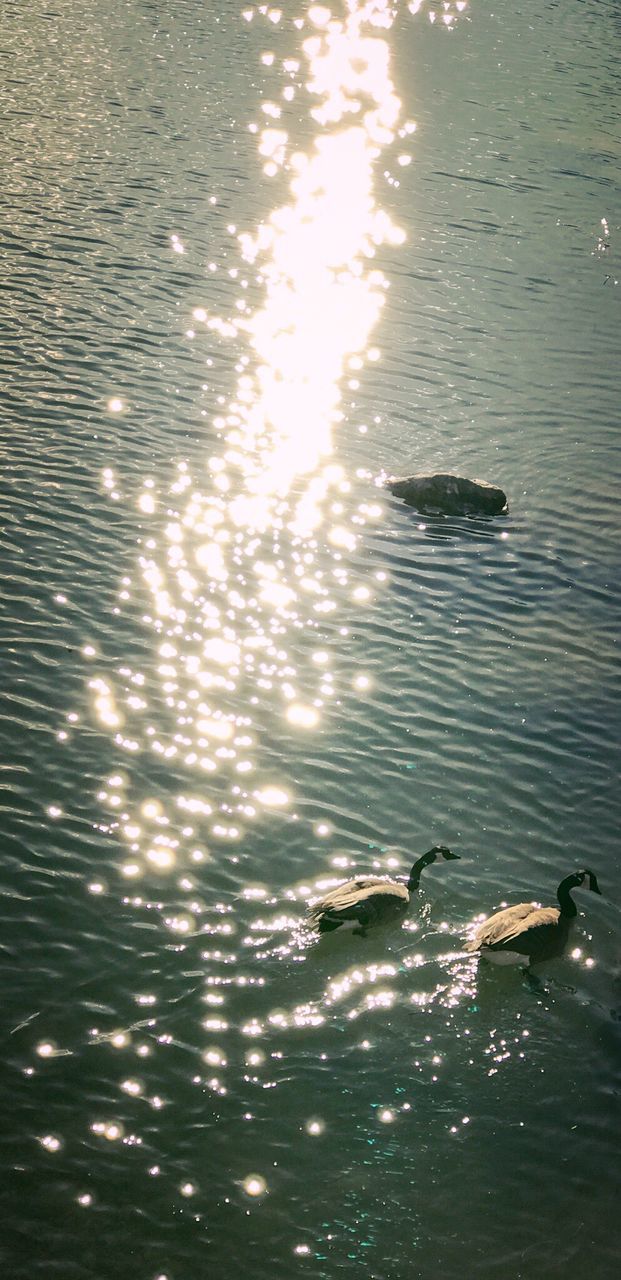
[179,1034]
[262,547]
[232,563]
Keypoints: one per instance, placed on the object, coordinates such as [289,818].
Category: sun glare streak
[263,544]
[322,300]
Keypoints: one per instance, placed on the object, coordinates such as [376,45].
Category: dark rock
[449,495]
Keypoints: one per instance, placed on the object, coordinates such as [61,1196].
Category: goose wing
[520,924]
[365,896]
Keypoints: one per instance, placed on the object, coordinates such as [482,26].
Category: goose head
[578,878]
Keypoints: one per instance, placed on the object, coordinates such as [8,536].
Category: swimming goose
[529,932]
[369,900]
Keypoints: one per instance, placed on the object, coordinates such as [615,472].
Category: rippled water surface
[253,260]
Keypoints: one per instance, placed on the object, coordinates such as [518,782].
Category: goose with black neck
[368,901]
[527,933]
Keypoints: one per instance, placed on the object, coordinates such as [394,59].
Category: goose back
[367,900]
[526,929]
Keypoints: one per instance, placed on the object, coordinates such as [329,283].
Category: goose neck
[568,907]
[419,866]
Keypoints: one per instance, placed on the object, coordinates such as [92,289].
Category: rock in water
[449,495]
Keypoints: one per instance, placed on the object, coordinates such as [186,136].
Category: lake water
[238,287]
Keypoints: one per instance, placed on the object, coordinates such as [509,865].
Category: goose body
[367,901]
[528,932]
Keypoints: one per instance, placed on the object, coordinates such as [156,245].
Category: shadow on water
[445,528]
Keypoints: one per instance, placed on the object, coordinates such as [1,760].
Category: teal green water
[204,723]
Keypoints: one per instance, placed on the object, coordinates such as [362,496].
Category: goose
[369,900]
[530,932]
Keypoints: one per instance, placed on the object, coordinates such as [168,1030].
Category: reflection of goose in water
[369,900]
[528,932]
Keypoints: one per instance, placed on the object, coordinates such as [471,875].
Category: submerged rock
[449,495]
